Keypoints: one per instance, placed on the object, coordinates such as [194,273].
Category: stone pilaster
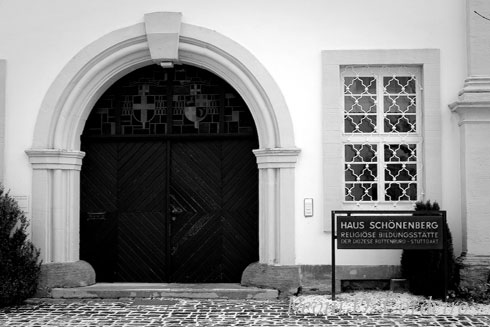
[276,205]
[473,107]
[276,267]
[474,112]
[55,218]
[473,271]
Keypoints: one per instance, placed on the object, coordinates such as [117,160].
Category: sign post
[388,230]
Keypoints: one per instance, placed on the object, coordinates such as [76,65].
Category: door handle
[177,210]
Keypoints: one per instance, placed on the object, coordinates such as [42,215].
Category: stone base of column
[315,279]
[285,279]
[64,274]
[474,271]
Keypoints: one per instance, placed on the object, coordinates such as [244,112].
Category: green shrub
[424,269]
[478,294]
[19,266]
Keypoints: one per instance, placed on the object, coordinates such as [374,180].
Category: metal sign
[389,232]
[96,215]
[368,229]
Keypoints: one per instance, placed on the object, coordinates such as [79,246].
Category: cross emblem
[143,109]
[195,89]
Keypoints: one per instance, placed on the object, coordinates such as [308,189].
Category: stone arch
[56,157]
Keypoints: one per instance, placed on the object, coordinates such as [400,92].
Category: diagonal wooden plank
[239,242]
[239,169]
[188,241]
[204,262]
[142,176]
[196,171]
[97,178]
[141,256]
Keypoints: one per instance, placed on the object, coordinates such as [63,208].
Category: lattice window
[382,142]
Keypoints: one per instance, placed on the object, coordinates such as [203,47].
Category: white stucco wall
[37,38]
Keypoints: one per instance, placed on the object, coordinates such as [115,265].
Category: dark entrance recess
[169,184]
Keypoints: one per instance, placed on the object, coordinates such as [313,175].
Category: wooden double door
[175,210]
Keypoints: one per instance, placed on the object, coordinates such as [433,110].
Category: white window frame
[333,124]
[379,137]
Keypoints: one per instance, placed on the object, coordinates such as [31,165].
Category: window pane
[400,152]
[400,124]
[360,123]
[359,104]
[400,192]
[400,104]
[360,172]
[361,192]
[401,172]
[360,152]
[399,84]
[359,85]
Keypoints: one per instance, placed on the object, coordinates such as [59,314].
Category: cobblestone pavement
[189,312]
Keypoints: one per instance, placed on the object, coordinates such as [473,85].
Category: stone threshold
[164,290]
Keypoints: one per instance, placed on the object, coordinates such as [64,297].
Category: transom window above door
[184,100]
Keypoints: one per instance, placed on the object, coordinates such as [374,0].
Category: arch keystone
[163,32]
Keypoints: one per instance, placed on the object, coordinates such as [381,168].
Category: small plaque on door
[96,215]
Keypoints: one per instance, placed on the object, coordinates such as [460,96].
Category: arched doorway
[169,183]
[56,158]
